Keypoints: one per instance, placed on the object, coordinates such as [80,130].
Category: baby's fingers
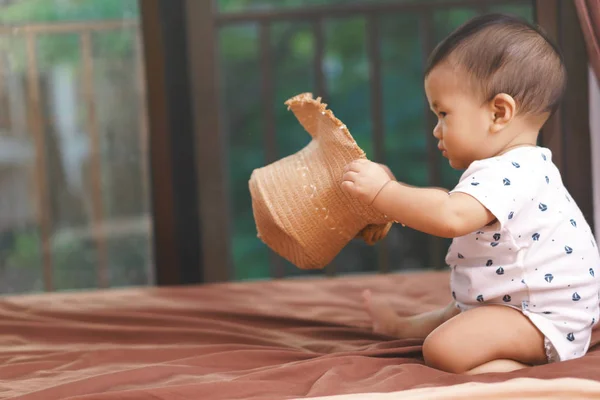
[348,187]
[350,176]
[355,165]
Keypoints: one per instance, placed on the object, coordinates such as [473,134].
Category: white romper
[540,256]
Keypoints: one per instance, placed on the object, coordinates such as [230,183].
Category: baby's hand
[388,171]
[363,179]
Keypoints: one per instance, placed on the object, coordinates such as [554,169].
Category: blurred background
[129,129]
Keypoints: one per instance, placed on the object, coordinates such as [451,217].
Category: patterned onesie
[539,257]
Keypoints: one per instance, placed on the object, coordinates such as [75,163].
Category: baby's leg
[386,321]
[485,339]
[497,366]
[384,318]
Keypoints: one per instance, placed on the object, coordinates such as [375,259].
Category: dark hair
[506,54]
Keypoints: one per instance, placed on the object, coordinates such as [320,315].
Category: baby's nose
[437,132]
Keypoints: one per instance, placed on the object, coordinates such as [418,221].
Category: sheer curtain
[589,15]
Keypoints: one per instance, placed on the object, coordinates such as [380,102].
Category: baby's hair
[506,54]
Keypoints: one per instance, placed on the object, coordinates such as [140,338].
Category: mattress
[287,339]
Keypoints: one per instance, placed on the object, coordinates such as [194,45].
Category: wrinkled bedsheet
[252,340]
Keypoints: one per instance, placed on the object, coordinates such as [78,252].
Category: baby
[524,263]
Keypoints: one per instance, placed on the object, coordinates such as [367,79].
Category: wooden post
[96,160]
[36,125]
[143,137]
[4,111]
[435,244]
[211,153]
[377,117]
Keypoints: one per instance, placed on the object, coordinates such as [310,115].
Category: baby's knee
[439,354]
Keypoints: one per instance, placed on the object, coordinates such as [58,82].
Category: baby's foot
[384,318]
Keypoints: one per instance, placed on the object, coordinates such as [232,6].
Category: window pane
[293,49]
[243,127]
[404,118]
[346,69]
[74,212]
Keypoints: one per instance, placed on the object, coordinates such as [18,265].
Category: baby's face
[463,121]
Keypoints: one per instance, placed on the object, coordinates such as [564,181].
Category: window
[74,209]
[254,88]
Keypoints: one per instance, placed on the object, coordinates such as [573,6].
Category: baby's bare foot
[384,318]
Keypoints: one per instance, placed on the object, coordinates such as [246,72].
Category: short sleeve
[500,186]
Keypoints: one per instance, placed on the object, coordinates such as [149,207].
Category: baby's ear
[503,108]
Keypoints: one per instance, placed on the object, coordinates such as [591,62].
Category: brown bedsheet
[264,340]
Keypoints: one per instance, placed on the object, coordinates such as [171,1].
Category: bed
[286,339]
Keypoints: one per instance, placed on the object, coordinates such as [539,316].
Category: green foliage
[244,5]
[25,252]
[75,261]
[65,48]
[37,11]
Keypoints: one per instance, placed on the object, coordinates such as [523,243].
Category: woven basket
[300,211]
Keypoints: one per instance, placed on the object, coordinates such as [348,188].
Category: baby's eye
[442,114]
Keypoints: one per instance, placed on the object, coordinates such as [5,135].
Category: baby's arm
[428,210]
[432,210]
